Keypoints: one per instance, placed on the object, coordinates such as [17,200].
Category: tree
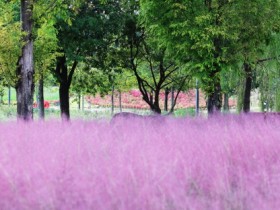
[195,32]
[91,32]
[89,81]
[256,22]
[45,53]
[10,42]
[25,69]
[151,64]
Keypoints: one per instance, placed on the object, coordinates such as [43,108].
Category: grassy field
[50,94]
[225,162]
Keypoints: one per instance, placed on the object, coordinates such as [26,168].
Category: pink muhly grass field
[230,162]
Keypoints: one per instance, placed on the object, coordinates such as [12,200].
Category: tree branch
[172,71]
[179,90]
[265,59]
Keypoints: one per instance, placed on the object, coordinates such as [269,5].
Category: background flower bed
[149,164]
[133,99]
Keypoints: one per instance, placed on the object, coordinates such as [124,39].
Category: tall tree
[91,32]
[151,64]
[25,69]
[10,42]
[258,21]
[195,32]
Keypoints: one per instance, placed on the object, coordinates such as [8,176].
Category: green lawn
[50,94]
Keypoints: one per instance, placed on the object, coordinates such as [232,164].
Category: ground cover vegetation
[155,50]
[89,47]
[125,164]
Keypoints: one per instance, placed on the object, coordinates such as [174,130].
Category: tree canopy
[228,45]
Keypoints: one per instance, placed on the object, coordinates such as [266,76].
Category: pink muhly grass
[225,162]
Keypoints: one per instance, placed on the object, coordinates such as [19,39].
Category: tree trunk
[64,85]
[64,101]
[83,102]
[151,97]
[79,101]
[277,100]
[25,69]
[248,87]
[9,96]
[214,102]
[226,103]
[196,99]
[112,100]
[155,109]
[63,88]
[166,93]
[120,100]
[40,98]
[172,97]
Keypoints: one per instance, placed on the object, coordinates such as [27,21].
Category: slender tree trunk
[248,87]
[277,100]
[112,100]
[172,96]
[166,93]
[9,96]
[197,99]
[120,100]
[25,69]
[40,98]
[83,102]
[226,102]
[79,101]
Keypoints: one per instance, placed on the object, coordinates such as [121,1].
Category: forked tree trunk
[248,87]
[25,69]
[155,109]
[214,102]
[64,85]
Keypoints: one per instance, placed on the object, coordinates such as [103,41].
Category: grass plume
[229,162]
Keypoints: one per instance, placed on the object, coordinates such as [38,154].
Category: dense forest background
[227,47]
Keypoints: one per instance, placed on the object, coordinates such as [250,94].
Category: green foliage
[88,80]
[10,44]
